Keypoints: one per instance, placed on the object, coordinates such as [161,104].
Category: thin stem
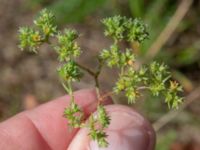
[70,91]
[98,94]
[168,77]
[142,88]
[122,70]
[115,42]
[98,72]
[96,77]
[101,62]
[96,81]
[94,74]
[65,87]
[106,95]
[86,69]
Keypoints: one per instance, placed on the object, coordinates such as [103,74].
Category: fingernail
[128,130]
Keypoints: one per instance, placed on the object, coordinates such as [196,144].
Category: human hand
[44,128]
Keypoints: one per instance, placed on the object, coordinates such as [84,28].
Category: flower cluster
[128,83]
[32,37]
[137,30]
[68,50]
[153,77]
[67,47]
[46,23]
[122,28]
[74,115]
[97,125]
[29,38]
[171,97]
[70,71]
[115,57]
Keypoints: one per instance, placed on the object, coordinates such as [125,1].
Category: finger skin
[44,127]
[128,130]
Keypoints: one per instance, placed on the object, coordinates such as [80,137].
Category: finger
[44,127]
[128,131]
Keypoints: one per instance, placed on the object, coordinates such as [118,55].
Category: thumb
[128,130]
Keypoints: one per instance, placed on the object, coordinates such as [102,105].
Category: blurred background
[26,80]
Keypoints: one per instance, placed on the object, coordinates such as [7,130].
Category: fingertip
[128,130]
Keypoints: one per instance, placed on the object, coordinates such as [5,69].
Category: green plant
[131,82]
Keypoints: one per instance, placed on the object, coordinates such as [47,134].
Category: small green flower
[158,74]
[171,97]
[96,133]
[137,30]
[128,83]
[103,117]
[114,27]
[115,57]
[70,71]
[67,48]
[111,56]
[74,115]
[100,137]
[29,38]
[127,58]
[46,23]
[122,28]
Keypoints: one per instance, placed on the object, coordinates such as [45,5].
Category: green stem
[65,87]
[143,88]
[70,91]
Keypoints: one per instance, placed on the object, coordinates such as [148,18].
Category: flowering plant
[154,77]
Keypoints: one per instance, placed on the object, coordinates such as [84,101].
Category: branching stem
[86,69]
[95,75]
[69,90]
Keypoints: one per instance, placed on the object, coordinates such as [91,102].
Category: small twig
[95,75]
[169,29]
[96,78]
[142,88]
[98,95]
[106,95]
[86,69]
[70,91]
[172,114]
